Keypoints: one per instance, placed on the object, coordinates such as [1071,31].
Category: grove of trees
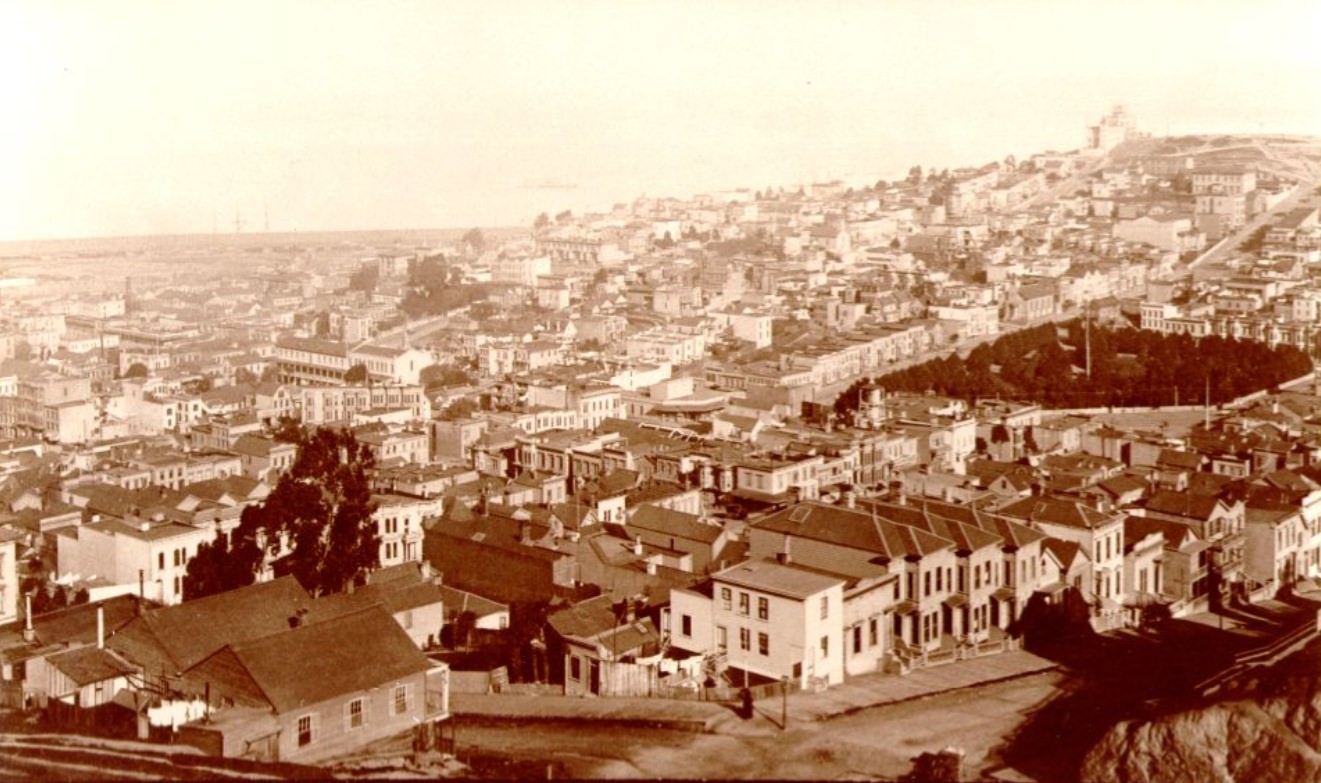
[322,507]
[1129,367]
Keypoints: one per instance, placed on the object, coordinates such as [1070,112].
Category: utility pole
[1087,331]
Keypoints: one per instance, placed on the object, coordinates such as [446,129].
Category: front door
[594,677]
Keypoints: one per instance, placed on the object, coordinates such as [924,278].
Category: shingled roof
[310,664]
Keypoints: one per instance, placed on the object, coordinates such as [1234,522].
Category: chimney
[651,566]
[630,611]
[637,546]
[29,633]
[525,534]
[850,499]
[426,570]
[100,627]
[785,557]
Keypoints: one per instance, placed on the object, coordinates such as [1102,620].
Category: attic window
[799,514]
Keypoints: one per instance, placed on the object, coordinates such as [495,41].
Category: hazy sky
[137,117]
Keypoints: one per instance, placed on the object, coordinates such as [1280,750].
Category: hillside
[1295,157]
[1269,733]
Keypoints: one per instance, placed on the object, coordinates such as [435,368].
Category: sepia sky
[145,116]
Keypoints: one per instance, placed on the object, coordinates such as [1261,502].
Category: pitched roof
[316,662]
[855,529]
[77,624]
[90,664]
[1183,504]
[1056,511]
[188,632]
[673,523]
[772,577]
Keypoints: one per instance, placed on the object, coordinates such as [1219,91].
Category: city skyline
[168,119]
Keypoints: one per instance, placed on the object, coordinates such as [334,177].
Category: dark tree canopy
[1047,364]
[136,370]
[475,240]
[365,278]
[322,507]
[356,374]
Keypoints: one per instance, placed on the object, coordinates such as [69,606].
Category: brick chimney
[100,627]
[786,555]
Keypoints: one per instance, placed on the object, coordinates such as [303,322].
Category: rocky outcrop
[1269,736]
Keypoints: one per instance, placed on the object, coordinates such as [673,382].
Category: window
[896,589]
[160,561]
[744,639]
[305,736]
[926,583]
[400,699]
[825,607]
[686,625]
[825,646]
[763,608]
[939,574]
[575,668]
[726,595]
[722,638]
[872,630]
[356,715]
[857,639]
[976,578]
[743,603]
[763,644]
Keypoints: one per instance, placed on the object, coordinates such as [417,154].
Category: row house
[665,346]
[174,470]
[398,366]
[148,555]
[342,404]
[399,521]
[1100,534]
[1000,562]
[392,447]
[1218,522]
[311,362]
[775,477]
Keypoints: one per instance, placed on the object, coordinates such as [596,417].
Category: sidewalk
[874,690]
[859,693]
[672,714]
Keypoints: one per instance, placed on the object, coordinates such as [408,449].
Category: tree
[244,376]
[564,216]
[365,278]
[136,370]
[288,430]
[461,408]
[541,222]
[356,374]
[914,176]
[439,375]
[475,240]
[322,508]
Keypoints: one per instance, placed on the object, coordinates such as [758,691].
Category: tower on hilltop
[1113,129]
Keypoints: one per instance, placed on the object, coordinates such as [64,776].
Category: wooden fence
[1261,656]
[913,659]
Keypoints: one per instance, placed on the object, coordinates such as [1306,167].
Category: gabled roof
[666,522]
[1137,528]
[1183,504]
[1056,511]
[186,633]
[77,624]
[1064,552]
[313,663]
[855,529]
[90,664]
